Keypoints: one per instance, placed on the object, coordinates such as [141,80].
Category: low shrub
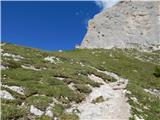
[157,72]
[83,88]
[69,117]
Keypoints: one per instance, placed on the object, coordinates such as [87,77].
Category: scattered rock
[15,57]
[17,89]
[52,59]
[6,95]
[81,64]
[60,78]
[138,117]
[134,99]
[146,107]
[1,50]
[55,118]
[49,112]
[3,67]
[153,92]
[36,111]
[71,86]
[2,44]
[30,67]
[95,78]
[54,101]
[128,92]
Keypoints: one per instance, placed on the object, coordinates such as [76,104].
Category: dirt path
[115,106]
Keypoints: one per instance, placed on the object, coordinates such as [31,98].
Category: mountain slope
[42,85]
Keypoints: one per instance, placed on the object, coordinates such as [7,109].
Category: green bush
[58,109]
[98,100]
[83,88]
[11,111]
[79,97]
[157,72]
[12,64]
[43,118]
[41,102]
[69,117]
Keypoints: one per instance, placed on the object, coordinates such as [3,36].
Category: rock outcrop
[128,24]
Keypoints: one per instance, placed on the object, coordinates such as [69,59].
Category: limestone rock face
[128,24]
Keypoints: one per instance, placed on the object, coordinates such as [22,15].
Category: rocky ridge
[128,24]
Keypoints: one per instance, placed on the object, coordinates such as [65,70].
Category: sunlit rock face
[128,24]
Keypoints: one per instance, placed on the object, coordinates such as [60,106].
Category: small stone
[6,95]
[55,118]
[49,112]
[17,89]
[36,111]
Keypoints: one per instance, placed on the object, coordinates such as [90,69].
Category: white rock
[54,101]
[60,78]
[95,78]
[17,89]
[49,111]
[2,44]
[71,86]
[128,92]
[138,118]
[110,55]
[153,92]
[1,50]
[36,111]
[12,55]
[55,118]
[52,59]
[82,64]
[3,67]
[134,99]
[15,57]
[6,95]
[30,67]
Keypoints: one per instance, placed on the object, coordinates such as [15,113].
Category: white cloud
[105,3]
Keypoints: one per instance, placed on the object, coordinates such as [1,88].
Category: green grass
[83,88]
[43,117]
[140,72]
[157,72]
[9,111]
[69,117]
[58,109]
[41,102]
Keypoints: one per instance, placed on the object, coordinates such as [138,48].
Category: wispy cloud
[103,4]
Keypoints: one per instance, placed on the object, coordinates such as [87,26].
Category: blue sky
[47,25]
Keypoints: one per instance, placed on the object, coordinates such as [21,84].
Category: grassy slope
[44,82]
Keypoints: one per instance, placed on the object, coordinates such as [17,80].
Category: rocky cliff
[128,24]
